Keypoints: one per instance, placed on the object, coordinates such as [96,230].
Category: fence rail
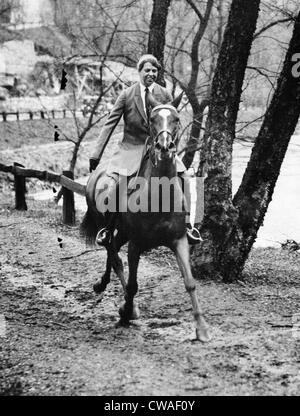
[69,186]
[40,115]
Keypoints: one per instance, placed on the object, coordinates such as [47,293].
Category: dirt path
[58,338]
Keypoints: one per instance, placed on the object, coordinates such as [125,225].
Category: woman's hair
[148,58]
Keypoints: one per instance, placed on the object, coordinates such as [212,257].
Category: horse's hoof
[99,287]
[122,323]
[135,313]
[203,335]
[122,311]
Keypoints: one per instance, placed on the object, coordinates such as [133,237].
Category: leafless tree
[84,28]
[157,32]
[230,224]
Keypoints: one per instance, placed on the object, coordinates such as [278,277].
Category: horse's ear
[175,103]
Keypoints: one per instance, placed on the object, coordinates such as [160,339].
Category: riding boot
[193,234]
[104,236]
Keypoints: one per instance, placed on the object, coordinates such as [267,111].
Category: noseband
[173,136]
[173,139]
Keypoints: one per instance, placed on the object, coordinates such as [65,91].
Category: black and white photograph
[149,200]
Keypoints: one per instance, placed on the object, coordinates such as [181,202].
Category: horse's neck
[165,169]
[156,180]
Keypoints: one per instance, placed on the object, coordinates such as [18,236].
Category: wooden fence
[41,115]
[69,186]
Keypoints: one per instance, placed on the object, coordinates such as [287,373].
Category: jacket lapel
[139,102]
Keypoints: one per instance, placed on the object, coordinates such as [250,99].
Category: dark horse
[147,228]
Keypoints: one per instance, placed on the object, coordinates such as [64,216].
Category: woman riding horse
[134,104]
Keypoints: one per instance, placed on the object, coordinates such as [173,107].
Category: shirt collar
[143,87]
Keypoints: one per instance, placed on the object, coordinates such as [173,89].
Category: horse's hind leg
[129,310]
[113,260]
[100,286]
[117,265]
[116,261]
[181,250]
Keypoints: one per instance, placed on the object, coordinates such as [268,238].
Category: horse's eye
[172,146]
[157,146]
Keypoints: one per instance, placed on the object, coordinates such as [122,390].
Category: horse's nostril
[172,146]
[158,146]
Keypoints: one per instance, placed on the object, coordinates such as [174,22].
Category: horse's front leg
[129,310]
[182,253]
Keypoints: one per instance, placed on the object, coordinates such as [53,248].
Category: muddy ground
[58,337]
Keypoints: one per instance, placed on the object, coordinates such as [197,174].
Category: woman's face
[148,74]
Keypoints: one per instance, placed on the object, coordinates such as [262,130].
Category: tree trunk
[256,189]
[157,33]
[75,155]
[194,138]
[197,106]
[220,213]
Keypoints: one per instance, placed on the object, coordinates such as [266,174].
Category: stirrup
[193,236]
[103,238]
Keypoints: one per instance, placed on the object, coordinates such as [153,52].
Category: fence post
[68,202]
[20,190]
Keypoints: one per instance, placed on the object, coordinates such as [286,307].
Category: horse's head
[164,126]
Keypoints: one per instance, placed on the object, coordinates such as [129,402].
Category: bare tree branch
[196,10]
[267,27]
[263,74]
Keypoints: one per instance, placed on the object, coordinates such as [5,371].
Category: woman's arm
[107,130]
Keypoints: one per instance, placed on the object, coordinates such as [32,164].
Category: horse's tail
[89,227]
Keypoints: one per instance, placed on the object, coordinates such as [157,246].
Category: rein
[172,144]
[168,132]
[147,149]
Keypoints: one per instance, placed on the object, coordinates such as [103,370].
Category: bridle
[173,135]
